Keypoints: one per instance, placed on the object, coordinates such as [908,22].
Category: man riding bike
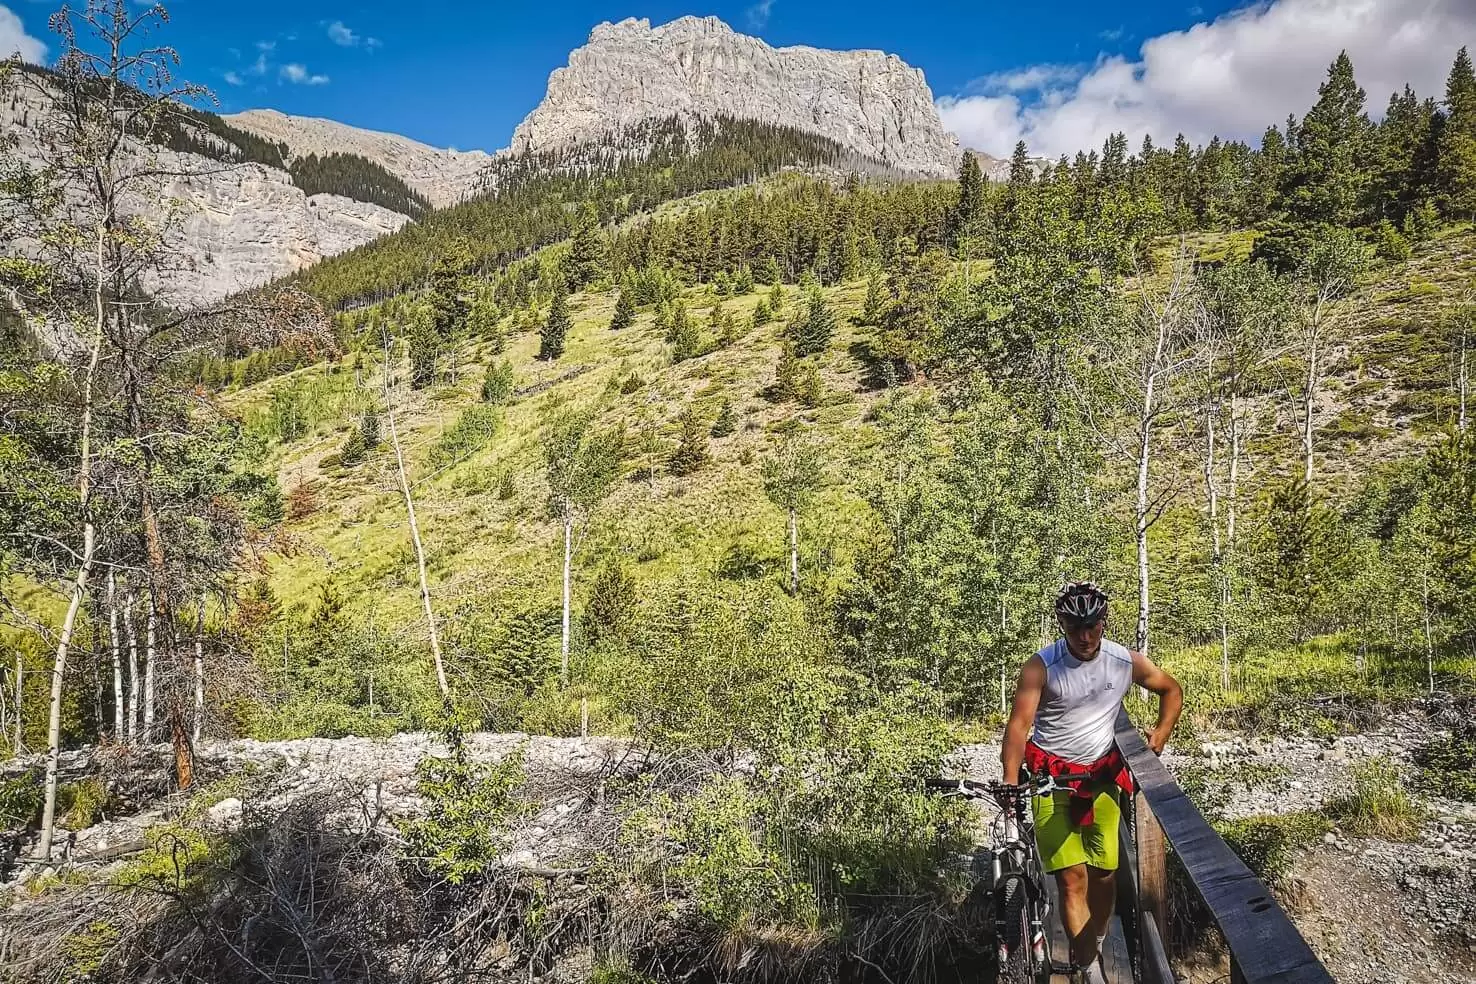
[1063,723]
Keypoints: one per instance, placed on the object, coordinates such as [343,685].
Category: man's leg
[1101,898]
[1074,885]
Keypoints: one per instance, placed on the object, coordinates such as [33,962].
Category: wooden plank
[1264,944]
[1152,865]
[1156,968]
[1115,954]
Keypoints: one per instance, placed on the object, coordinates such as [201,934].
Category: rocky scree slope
[442,176]
[867,101]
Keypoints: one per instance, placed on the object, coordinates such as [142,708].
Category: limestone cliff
[868,101]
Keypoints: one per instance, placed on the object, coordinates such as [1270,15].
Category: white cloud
[234,78]
[1233,77]
[1034,78]
[758,15]
[341,34]
[298,74]
[15,40]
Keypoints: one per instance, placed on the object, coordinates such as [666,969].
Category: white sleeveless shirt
[1077,715]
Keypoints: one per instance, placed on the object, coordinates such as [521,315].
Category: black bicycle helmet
[1082,601]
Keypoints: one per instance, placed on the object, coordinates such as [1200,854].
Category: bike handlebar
[1043,785]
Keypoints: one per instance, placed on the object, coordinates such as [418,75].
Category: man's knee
[1101,876]
[1073,880]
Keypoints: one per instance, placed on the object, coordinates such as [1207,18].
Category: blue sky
[1060,74]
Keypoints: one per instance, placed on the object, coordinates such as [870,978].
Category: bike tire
[1016,963]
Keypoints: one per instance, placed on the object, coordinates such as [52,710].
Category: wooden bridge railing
[1265,947]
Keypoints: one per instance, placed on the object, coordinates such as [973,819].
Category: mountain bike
[1011,875]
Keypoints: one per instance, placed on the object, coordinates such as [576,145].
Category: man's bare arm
[1022,718]
[1150,676]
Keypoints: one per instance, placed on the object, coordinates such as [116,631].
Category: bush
[1448,764]
[81,804]
[1377,804]
[476,426]
[21,799]
[497,387]
[469,806]
[1390,243]
[1269,844]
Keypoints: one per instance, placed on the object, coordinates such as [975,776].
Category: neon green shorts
[1064,845]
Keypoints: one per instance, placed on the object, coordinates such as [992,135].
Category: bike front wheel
[1016,958]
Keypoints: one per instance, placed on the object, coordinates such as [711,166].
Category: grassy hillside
[494,552]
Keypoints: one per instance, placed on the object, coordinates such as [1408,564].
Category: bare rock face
[870,102]
[229,227]
[442,176]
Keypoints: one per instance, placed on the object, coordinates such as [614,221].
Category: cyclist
[1063,723]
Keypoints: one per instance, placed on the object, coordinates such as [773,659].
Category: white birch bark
[134,683]
[151,623]
[567,597]
[425,599]
[119,703]
[199,720]
[79,584]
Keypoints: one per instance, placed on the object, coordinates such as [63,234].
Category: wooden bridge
[1265,947]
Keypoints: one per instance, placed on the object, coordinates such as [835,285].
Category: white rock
[226,813]
[868,101]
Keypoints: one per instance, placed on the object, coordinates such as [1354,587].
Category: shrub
[1448,763]
[476,426]
[469,806]
[497,387]
[1377,804]
[21,799]
[1269,844]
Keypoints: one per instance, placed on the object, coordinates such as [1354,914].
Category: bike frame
[1017,861]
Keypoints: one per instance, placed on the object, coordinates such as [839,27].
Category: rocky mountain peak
[870,102]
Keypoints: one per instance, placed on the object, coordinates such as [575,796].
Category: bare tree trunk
[568,563]
[1232,490]
[119,704]
[1314,377]
[20,694]
[133,678]
[1140,638]
[793,552]
[425,599]
[199,719]
[79,585]
[151,659]
[1463,380]
[1429,636]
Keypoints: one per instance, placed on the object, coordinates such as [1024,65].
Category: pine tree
[624,312]
[761,314]
[725,423]
[1457,162]
[776,299]
[786,373]
[813,325]
[1329,178]
[1400,148]
[686,338]
[743,281]
[679,324]
[691,451]
[662,322]
[874,306]
[497,386]
[968,214]
[556,328]
[585,262]
[369,428]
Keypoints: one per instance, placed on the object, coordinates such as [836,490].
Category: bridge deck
[1114,949]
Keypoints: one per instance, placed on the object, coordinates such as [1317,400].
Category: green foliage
[476,426]
[175,860]
[792,475]
[1270,844]
[725,423]
[1377,804]
[499,383]
[1328,178]
[555,327]
[611,604]
[1390,243]
[624,312]
[581,461]
[354,449]
[358,178]
[1448,763]
[369,429]
[81,804]
[813,324]
[468,809]
[691,452]
[585,261]
[20,801]
[686,338]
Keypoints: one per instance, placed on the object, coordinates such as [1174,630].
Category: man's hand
[1156,740]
